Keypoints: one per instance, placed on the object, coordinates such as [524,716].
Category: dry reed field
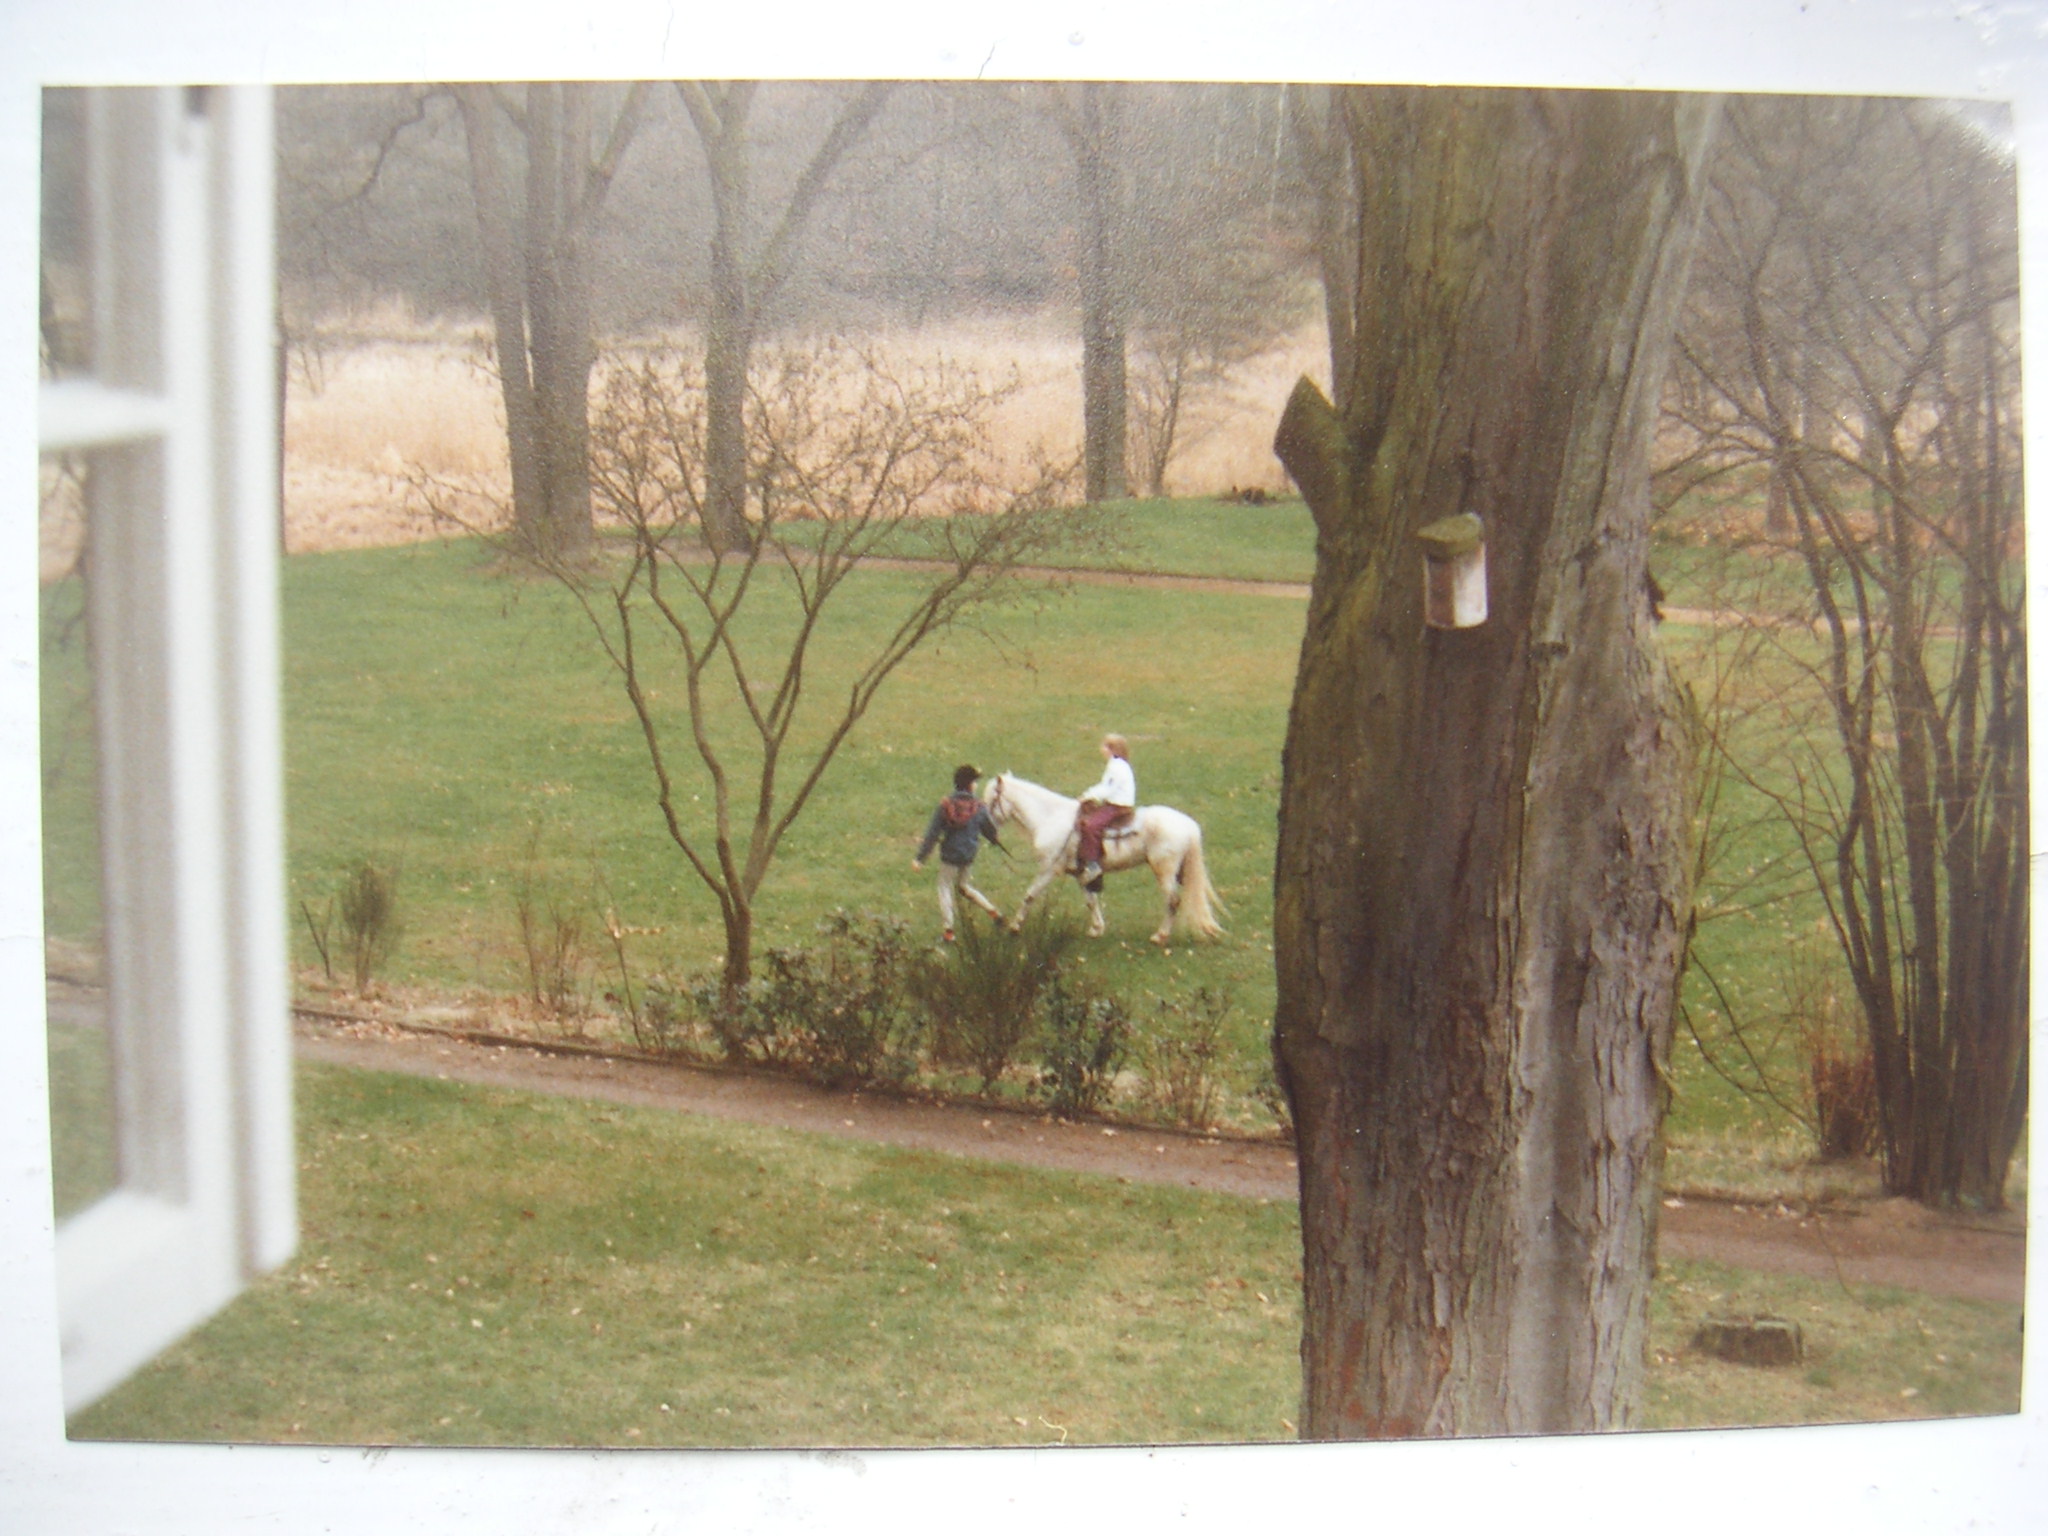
[364,405]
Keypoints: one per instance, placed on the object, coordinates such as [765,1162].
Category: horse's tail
[1200,906]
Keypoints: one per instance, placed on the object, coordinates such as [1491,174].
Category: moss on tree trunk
[1481,879]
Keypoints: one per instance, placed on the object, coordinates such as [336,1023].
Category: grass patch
[470,737]
[456,725]
[1200,536]
[82,1127]
[486,1267]
[1762,1162]
[497,1268]
[1177,536]
[508,756]
[1878,1353]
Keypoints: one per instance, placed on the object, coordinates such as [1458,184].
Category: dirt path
[1891,1243]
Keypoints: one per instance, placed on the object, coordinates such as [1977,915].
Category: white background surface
[1985,1475]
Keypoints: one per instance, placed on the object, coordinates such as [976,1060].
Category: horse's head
[998,800]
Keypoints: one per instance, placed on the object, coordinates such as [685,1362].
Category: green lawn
[677,1281]
[1203,537]
[487,1267]
[457,724]
[1192,536]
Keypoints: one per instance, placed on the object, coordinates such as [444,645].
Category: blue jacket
[962,821]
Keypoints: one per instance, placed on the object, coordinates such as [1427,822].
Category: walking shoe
[948,937]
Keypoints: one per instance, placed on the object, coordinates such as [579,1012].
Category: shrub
[369,921]
[747,1027]
[1841,1077]
[982,991]
[841,1013]
[1181,1056]
[1084,1039]
[1843,1085]
[556,949]
[665,1017]
[1272,1097]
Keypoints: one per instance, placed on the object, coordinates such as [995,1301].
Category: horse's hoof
[1161,939]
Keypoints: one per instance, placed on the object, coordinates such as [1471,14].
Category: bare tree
[746,277]
[1089,117]
[1480,886]
[1322,150]
[741,667]
[1187,355]
[1853,337]
[536,253]
[1211,282]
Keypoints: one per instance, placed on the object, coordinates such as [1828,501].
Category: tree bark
[537,271]
[745,282]
[1481,894]
[506,283]
[1088,121]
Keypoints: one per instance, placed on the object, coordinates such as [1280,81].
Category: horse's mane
[1020,782]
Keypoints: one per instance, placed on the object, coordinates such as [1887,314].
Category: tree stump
[1751,1340]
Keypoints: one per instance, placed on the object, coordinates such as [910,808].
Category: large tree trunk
[505,279]
[536,267]
[1481,881]
[1105,414]
[729,323]
[558,285]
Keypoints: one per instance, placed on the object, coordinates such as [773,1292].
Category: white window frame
[177,418]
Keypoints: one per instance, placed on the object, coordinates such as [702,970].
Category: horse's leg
[1032,892]
[1169,889]
[1097,923]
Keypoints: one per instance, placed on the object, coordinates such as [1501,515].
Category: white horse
[1157,836]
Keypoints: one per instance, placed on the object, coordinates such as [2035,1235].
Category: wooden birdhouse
[1454,571]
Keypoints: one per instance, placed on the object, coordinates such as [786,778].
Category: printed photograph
[791,763]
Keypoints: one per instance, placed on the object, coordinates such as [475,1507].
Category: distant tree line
[1180,227]
[957,200]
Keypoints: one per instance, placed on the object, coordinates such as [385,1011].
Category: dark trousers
[1096,820]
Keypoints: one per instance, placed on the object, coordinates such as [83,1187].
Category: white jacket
[1119,786]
